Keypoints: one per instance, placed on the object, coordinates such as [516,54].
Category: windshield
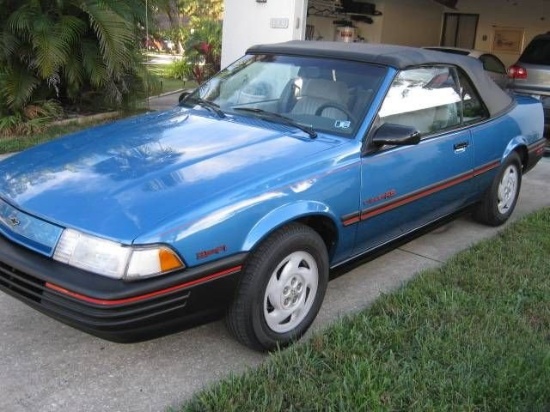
[537,52]
[324,95]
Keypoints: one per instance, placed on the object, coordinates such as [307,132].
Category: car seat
[322,97]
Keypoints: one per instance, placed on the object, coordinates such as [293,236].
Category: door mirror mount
[390,134]
[395,135]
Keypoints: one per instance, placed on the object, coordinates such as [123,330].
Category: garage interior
[502,27]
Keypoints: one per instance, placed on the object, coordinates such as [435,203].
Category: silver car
[531,73]
[492,65]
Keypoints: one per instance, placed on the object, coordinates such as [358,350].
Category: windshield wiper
[279,118]
[213,107]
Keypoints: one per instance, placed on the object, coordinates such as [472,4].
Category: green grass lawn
[10,144]
[165,83]
[473,335]
[170,85]
[162,84]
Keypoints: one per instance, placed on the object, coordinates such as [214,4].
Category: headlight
[112,259]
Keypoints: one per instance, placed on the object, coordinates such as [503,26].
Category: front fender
[282,215]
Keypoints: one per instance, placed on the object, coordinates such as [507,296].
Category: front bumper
[113,309]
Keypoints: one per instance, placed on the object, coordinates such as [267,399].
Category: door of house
[459,30]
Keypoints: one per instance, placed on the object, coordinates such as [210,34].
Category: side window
[426,98]
[473,109]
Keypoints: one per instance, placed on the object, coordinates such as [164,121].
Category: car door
[406,187]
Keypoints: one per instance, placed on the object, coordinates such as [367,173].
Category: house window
[459,30]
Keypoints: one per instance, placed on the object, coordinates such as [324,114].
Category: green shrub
[180,69]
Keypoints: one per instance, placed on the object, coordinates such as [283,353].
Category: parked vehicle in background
[491,63]
[169,45]
[530,75]
[152,44]
[295,159]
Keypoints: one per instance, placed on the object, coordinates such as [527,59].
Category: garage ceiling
[448,3]
[335,5]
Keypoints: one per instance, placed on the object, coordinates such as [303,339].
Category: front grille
[19,283]
[116,310]
[27,230]
[102,317]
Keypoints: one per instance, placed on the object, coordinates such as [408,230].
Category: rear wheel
[501,198]
[282,287]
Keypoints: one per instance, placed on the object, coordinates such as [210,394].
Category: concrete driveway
[164,101]
[47,366]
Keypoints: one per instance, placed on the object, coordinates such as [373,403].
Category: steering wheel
[336,106]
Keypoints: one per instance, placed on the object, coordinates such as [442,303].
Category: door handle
[460,147]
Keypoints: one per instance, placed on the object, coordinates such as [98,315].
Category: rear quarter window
[473,109]
[492,64]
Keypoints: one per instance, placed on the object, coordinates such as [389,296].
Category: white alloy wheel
[290,293]
[507,189]
[282,286]
[500,198]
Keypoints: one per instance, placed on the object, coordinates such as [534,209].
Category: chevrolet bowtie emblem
[14,221]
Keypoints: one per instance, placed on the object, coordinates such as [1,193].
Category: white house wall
[248,22]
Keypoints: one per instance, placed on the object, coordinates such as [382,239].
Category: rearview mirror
[183,95]
[396,135]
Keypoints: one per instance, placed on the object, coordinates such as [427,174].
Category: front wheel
[501,198]
[282,287]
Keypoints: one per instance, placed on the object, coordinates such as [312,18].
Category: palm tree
[64,49]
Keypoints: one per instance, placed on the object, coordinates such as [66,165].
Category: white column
[248,22]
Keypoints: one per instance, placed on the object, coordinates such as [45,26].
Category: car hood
[121,180]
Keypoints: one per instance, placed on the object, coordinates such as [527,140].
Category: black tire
[499,201]
[286,275]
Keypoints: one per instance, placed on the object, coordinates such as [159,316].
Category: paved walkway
[165,101]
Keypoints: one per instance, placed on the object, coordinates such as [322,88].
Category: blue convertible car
[292,161]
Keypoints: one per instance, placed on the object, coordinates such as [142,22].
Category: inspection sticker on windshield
[342,124]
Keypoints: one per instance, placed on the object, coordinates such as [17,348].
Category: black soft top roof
[398,57]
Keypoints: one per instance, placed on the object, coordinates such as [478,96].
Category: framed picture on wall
[508,39]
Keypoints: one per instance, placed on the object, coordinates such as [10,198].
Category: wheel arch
[523,154]
[315,215]
[518,145]
[325,227]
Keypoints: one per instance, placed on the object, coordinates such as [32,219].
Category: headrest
[325,89]
[312,72]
